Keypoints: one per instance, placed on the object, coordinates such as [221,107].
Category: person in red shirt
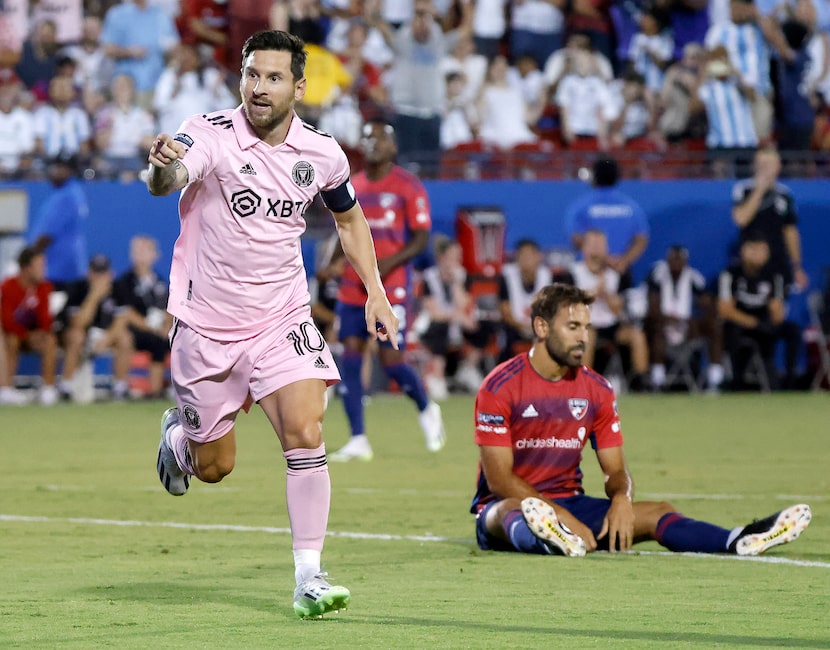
[397,209]
[206,22]
[534,416]
[26,321]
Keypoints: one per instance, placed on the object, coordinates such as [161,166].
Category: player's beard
[564,356]
[267,121]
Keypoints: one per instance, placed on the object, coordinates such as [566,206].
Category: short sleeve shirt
[237,264]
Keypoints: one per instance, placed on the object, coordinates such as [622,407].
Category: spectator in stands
[205,24]
[66,15]
[594,274]
[585,103]
[89,327]
[730,136]
[637,116]
[367,85]
[343,120]
[460,115]
[123,132]
[58,226]
[61,126]
[527,76]
[650,52]
[38,59]
[537,29]
[9,395]
[561,62]
[188,86]
[611,211]
[794,96]
[489,26]
[27,323]
[138,35]
[94,67]
[464,60]
[451,331]
[751,304]
[17,133]
[762,205]
[520,280]
[353,27]
[749,55]
[593,17]
[679,311]
[141,296]
[676,120]
[503,115]
[417,87]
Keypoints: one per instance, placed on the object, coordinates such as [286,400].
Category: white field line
[427,537]
[642,496]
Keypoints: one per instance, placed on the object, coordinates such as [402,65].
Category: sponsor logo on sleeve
[185,139]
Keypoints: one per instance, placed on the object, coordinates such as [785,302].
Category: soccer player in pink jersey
[534,416]
[238,291]
[397,209]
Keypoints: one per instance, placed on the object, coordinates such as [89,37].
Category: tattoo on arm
[164,180]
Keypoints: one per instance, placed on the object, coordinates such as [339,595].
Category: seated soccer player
[534,416]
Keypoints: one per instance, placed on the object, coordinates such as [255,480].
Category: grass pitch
[94,553]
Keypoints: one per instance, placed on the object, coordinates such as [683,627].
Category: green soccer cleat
[315,597]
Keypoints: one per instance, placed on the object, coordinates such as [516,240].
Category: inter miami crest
[191,417]
[303,173]
[578,406]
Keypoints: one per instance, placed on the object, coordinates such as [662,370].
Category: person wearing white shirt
[186,87]
[586,105]
[17,132]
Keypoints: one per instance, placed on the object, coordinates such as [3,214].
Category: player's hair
[547,302]
[282,42]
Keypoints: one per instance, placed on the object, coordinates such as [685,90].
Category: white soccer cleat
[315,597]
[780,528]
[174,480]
[433,427]
[542,520]
[48,396]
[12,397]
[358,448]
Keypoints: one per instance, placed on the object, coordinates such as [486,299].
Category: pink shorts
[213,380]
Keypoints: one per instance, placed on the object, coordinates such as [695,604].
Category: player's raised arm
[356,240]
[166,174]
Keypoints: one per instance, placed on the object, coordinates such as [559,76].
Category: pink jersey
[394,206]
[237,265]
[547,423]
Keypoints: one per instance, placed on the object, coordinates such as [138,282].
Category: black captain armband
[341,198]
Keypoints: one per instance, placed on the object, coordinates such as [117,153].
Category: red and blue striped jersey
[546,423]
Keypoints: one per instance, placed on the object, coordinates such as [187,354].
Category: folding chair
[681,358]
[755,371]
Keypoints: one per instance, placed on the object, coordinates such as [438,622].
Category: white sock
[306,564]
[658,374]
[733,535]
[715,374]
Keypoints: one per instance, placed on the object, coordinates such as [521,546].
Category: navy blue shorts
[353,323]
[590,511]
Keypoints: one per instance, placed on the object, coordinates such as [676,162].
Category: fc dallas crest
[579,407]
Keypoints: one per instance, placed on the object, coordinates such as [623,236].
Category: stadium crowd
[98,78]
[88,84]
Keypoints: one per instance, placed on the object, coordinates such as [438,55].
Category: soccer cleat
[315,597]
[48,396]
[12,397]
[433,427]
[174,480]
[358,448]
[780,528]
[544,524]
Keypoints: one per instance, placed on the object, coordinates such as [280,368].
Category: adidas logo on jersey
[247,169]
[319,363]
[530,412]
